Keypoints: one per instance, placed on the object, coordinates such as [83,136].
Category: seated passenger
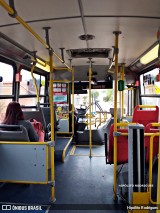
[14,116]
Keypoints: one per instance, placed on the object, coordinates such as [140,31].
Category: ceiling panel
[63,33]
[122,7]
[137,34]
[47,9]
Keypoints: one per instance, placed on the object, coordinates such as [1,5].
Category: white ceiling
[64,17]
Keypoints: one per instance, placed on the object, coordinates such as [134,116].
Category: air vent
[89,53]
[86,37]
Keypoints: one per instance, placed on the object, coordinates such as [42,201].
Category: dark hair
[13,114]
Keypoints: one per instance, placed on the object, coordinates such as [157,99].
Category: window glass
[27,85]
[28,101]
[151,101]
[3,106]
[150,82]
[42,85]
[128,101]
[6,72]
[101,98]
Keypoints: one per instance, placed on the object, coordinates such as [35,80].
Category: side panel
[23,163]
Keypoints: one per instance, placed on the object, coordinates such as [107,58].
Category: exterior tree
[95,95]
[109,96]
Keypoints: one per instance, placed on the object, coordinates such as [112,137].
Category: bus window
[6,87]
[150,83]
[6,71]
[27,85]
[101,98]
[150,87]
[128,101]
[151,101]
[42,91]
[27,88]
[3,106]
[28,101]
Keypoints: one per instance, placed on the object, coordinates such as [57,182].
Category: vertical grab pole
[122,78]
[90,131]
[51,101]
[115,112]
[120,93]
[73,100]
[158,179]
[35,84]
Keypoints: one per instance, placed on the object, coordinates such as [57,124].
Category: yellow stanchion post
[115,112]
[150,163]
[122,78]
[35,83]
[90,130]
[73,100]
[120,93]
[51,101]
[158,180]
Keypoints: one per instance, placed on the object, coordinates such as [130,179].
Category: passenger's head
[13,114]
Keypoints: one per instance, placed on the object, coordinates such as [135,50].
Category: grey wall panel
[23,162]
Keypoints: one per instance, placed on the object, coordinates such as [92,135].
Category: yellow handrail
[155,124]
[22,22]
[73,100]
[150,169]
[61,68]
[24,143]
[115,114]
[158,178]
[51,101]
[146,106]
[35,83]
[122,78]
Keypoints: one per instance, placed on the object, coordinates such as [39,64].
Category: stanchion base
[52,201]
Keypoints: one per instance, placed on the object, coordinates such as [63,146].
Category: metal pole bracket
[116,134]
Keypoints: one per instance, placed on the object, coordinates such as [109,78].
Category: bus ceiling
[83,29]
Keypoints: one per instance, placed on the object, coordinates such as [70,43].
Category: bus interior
[89,72]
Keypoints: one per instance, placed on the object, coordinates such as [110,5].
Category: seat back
[122,146]
[145,116]
[81,126]
[38,115]
[46,114]
[139,116]
[13,133]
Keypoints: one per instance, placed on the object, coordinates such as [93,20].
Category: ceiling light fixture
[147,59]
[45,68]
[150,56]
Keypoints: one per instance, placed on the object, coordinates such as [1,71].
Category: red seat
[139,116]
[122,146]
[145,116]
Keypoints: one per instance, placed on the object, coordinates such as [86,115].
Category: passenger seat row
[145,117]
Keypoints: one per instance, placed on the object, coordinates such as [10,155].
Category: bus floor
[83,184]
